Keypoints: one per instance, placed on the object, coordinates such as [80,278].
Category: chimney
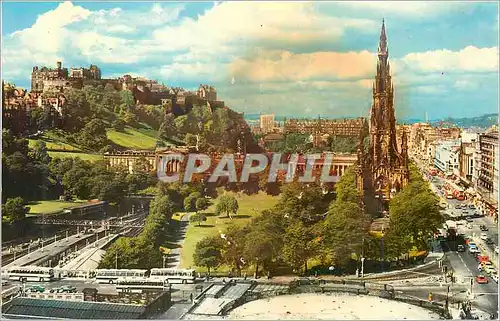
[59,65]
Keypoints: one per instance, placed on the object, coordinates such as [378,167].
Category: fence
[56,296]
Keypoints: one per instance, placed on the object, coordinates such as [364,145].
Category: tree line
[31,175]
[307,228]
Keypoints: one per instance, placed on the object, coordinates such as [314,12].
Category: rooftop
[70,309]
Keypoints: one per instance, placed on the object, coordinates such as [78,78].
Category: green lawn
[132,138]
[249,206]
[55,146]
[84,156]
[48,207]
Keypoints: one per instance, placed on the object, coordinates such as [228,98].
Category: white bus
[31,273]
[173,275]
[127,285]
[111,275]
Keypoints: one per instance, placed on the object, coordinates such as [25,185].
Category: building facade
[446,156]
[485,177]
[267,123]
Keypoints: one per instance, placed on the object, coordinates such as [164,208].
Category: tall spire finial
[382,47]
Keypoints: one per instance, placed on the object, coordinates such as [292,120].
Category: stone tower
[387,166]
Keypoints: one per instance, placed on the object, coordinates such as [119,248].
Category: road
[464,265]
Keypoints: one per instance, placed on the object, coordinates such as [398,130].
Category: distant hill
[484,121]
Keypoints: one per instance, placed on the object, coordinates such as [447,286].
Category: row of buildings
[471,156]
[319,129]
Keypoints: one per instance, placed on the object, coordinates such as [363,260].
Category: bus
[127,285]
[31,273]
[112,275]
[173,275]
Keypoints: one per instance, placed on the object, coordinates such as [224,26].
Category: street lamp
[362,267]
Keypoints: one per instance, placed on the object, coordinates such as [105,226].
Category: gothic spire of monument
[387,164]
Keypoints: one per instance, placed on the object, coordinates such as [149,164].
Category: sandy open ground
[336,306]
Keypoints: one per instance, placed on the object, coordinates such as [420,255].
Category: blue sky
[290,58]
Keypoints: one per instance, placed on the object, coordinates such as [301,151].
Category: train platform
[50,250]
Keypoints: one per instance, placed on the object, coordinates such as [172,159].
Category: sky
[300,59]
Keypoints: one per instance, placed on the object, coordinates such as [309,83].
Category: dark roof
[72,309]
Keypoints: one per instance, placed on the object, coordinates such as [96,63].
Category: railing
[55,296]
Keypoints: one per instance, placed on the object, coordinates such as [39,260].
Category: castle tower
[389,167]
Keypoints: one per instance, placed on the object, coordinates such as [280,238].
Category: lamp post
[362,267]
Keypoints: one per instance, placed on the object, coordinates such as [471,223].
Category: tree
[93,135]
[190,201]
[40,152]
[208,252]
[201,204]
[300,244]
[14,210]
[343,231]
[262,244]
[414,212]
[227,204]
[234,247]
[119,125]
[191,139]
[197,218]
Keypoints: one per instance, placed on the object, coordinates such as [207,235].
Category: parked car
[489,241]
[481,279]
[460,248]
[36,288]
[469,219]
[496,249]
[484,236]
[495,277]
[483,228]
[457,206]
[472,207]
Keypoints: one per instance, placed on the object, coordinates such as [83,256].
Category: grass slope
[133,138]
[49,207]
[249,206]
[84,156]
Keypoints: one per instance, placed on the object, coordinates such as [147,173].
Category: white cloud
[470,59]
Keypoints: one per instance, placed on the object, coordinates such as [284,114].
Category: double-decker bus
[455,190]
[31,273]
[111,275]
[173,275]
[127,285]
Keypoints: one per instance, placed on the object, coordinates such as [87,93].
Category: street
[463,264]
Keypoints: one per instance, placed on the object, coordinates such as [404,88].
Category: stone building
[384,169]
[47,79]
[267,123]
[485,178]
[207,92]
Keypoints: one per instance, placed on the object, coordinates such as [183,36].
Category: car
[495,277]
[469,219]
[469,226]
[465,212]
[472,207]
[481,279]
[484,236]
[489,241]
[490,269]
[480,267]
[483,228]
[457,206]
[66,289]
[460,248]
[496,249]
[36,288]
